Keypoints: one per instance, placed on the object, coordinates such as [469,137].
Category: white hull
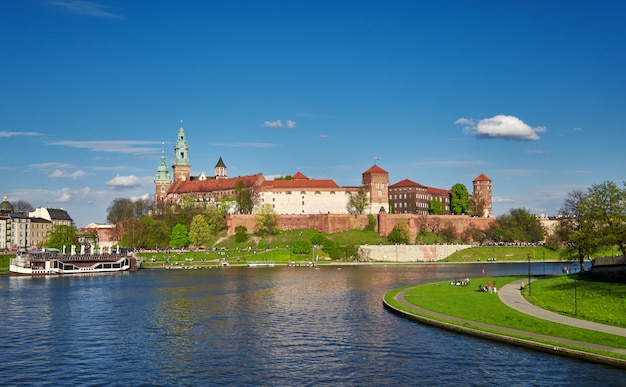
[70,265]
[260,264]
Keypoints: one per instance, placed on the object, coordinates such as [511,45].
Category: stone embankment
[409,253]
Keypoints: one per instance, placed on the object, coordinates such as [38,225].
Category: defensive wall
[385,223]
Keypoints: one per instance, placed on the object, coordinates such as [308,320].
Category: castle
[301,195]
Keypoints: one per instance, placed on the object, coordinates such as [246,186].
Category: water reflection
[239,326]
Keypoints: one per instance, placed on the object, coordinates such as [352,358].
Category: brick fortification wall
[328,223]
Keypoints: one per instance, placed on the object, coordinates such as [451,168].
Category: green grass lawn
[468,303]
[581,296]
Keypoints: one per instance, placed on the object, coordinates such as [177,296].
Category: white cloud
[290,124]
[51,165]
[110,146]
[86,8]
[4,133]
[273,124]
[60,174]
[501,126]
[124,182]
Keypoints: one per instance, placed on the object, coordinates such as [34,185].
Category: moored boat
[46,262]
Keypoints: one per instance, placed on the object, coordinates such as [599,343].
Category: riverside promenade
[511,296]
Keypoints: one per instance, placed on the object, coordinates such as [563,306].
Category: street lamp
[529,275]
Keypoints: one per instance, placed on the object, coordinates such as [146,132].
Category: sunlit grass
[467,302]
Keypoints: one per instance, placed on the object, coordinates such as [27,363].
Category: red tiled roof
[299,175]
[187,186]
[375,169]
[299,184]
[438,191]
[406,183]
[482,177]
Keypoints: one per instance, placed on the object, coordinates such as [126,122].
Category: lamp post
[529,287]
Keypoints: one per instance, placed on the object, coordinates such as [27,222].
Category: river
[282,326]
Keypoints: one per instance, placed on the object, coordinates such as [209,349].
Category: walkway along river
[282,326]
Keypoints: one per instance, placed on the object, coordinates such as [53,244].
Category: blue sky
[531,93]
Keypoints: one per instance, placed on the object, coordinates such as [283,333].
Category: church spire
[163,173]
[182,165]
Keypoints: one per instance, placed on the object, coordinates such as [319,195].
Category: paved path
[511,296]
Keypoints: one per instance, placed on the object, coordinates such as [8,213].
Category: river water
[282,326]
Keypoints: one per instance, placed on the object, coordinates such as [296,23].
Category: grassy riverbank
[467,303]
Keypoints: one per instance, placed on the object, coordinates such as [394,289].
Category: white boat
[42,262]
[261,264]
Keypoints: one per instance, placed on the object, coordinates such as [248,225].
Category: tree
[371,223]
[358,202]
[605,204]
[199,231]
[459,202]
[241,234]
[245,197]
[518,225]
[577,228]
[215,218]
[435,207]
[266,219]
[477,206]
[157,233]
[62,235]
[22,206]
[122,209]
[179,237]
[400,234]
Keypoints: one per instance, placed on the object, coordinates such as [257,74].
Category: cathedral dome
[6,206]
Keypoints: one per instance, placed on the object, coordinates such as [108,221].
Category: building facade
[409,197]
[299,195]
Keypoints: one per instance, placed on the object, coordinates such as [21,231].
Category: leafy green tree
[358,202]
[266,219]
[61,236]
[435,207]
[301,247]
[215,218]
[199,231]
[518,225]
[179,237]
[605,204]
[241,234]
[157,233]
[577,228]
[459,202]
[133,232]
[400,234]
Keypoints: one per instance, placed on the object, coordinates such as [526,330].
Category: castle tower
[376,183]
[162,179]
[182,165]
[220,169]
[483,195]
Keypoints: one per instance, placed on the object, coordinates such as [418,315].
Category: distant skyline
[531,94]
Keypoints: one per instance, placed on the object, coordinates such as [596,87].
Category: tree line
[588,222]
